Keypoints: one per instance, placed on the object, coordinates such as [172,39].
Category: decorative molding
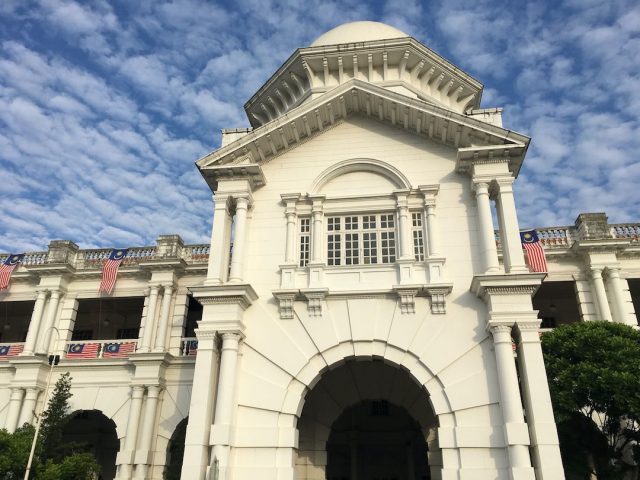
[242,295]
[315,297]
[437,296]
[286,299]
[407,297]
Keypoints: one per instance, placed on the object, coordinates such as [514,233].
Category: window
[305,241]
[417,232]
[361,239]
[124,333]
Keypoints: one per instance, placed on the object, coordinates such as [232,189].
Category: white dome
[358,32]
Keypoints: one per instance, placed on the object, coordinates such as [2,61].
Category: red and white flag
[110,270]
[10,350]
[118,350]
[83,350]
[535,253]
[7,268]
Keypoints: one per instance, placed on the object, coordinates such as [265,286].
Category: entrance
[366,420]
[376,440]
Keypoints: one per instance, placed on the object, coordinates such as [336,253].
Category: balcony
[64,253]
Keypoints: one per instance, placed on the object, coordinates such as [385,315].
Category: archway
[366,420]
[94,430]
[175,452]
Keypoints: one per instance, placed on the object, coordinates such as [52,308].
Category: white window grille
[305,241]
[417,231]
[361,239]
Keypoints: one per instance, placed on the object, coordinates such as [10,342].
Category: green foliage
[593,370]
[14,452]
[54,458]
[78,466]
[55,418]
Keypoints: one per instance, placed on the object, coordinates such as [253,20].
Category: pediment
[472,138]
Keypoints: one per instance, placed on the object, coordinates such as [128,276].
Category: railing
[626,230]
[95,258]
[197,253]
[550,238]
[92,349]
[8,350]
[189,347]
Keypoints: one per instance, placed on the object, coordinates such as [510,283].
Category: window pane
[351,248]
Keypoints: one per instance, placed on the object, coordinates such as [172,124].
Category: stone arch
[99,434]
[333,357]
[175,451]
[311,373]
[352,382]
[378,167]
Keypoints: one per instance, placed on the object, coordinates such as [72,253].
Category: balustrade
[626,230]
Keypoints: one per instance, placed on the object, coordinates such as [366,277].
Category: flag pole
[53,361]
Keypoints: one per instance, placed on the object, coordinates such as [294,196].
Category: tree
[55,459]
[593,370]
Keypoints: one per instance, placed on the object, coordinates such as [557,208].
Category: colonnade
[135,454]
[499,188]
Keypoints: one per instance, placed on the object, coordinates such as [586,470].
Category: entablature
[402,62]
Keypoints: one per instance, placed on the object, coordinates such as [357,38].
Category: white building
[361,326]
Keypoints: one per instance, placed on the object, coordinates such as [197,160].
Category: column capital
[402,197]
[137,391]
[153,390]
[480,186]
[42,292]
[501,331]
[230,340]
[595,272]
[317,202]
[221,201]
[243,201]
[613,272]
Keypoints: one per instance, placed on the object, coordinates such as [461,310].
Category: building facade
[355,314]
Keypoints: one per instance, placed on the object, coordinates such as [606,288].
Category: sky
[105,106]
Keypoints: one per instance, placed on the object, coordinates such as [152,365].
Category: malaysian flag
[192,348]
[83,350]
[10,350]
[118,350]
[535,252]
[7,268]
[110,270]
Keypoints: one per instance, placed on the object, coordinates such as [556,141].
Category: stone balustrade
[626,230]
[65,252]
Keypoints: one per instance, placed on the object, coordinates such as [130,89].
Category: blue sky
[104,106]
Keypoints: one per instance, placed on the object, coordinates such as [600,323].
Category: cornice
[357,97]
[315,70]
[485,286]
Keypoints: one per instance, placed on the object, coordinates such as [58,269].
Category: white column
[49,322]
[196,445]
[34,324]
[143,454]
[614,287]
[220,237]
[317,230]
[149,322]
[164,319]
[239,240]
[28,406]
[15,402]
[537,400]
[510,231]
[290,251]
[486,233]
[432,231]
[404,227]
[224,401]
[515,429]
[126,455]
[600,294]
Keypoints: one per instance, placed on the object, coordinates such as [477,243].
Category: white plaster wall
[450,354]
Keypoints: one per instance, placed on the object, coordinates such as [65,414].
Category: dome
[358,32]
